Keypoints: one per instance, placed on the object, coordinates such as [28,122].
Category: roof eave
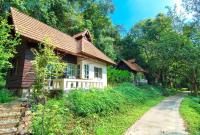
[108,62]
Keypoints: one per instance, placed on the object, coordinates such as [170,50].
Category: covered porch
[81,72]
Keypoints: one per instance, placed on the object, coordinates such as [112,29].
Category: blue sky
[129,12]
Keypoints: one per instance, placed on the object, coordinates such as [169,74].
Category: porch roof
[33,29]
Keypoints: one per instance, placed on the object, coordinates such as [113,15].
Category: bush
[85,103]
[5,95]
[2,82]
[138,94]
[56,115]
[56,94]
[80,110]
[118,76]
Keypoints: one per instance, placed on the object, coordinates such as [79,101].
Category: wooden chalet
[86,64]
[132,66]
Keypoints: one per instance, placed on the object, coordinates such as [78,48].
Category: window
[78,71]
[70,71]
[97,72]
[86,71]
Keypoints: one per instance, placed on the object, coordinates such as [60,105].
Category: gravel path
[163,119]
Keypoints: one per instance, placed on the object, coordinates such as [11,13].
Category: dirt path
[163,119]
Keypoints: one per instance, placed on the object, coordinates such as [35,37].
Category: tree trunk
[163,78]
[171,84]
[194,82]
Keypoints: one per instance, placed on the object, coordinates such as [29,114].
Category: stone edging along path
[163,119]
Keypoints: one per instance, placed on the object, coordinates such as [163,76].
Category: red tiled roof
[38,31]
[133,66]
[80,34]
[88,48]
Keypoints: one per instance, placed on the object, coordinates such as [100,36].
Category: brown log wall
[25,77]
[14,79]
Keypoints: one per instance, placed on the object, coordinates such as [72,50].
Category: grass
[111,111]
[118,124]
[5,95]
[190,111]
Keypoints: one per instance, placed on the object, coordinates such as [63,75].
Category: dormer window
[85,34]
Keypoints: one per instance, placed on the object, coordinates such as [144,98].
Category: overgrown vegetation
[5,95]
[8,45]
[47,65]
[190,111]
[118,76]
[55,117]
[87,112]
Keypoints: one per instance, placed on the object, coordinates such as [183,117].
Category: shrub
[5,95]
[56,115]
[80,110]
[2,82]
[118,76]
[138,94]
[56,94]
[84,103]
[102,102]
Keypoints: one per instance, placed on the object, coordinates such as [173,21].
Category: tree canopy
[171,55]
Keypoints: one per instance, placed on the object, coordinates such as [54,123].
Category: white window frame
[71,71]
[86,71]
[98,72]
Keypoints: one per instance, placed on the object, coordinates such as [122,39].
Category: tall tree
[8,43]
[156,43]
[46,64]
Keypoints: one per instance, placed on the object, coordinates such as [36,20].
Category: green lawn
[190,111]
[118,124]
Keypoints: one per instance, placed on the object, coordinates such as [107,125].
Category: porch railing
[141,81]
[67,84]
